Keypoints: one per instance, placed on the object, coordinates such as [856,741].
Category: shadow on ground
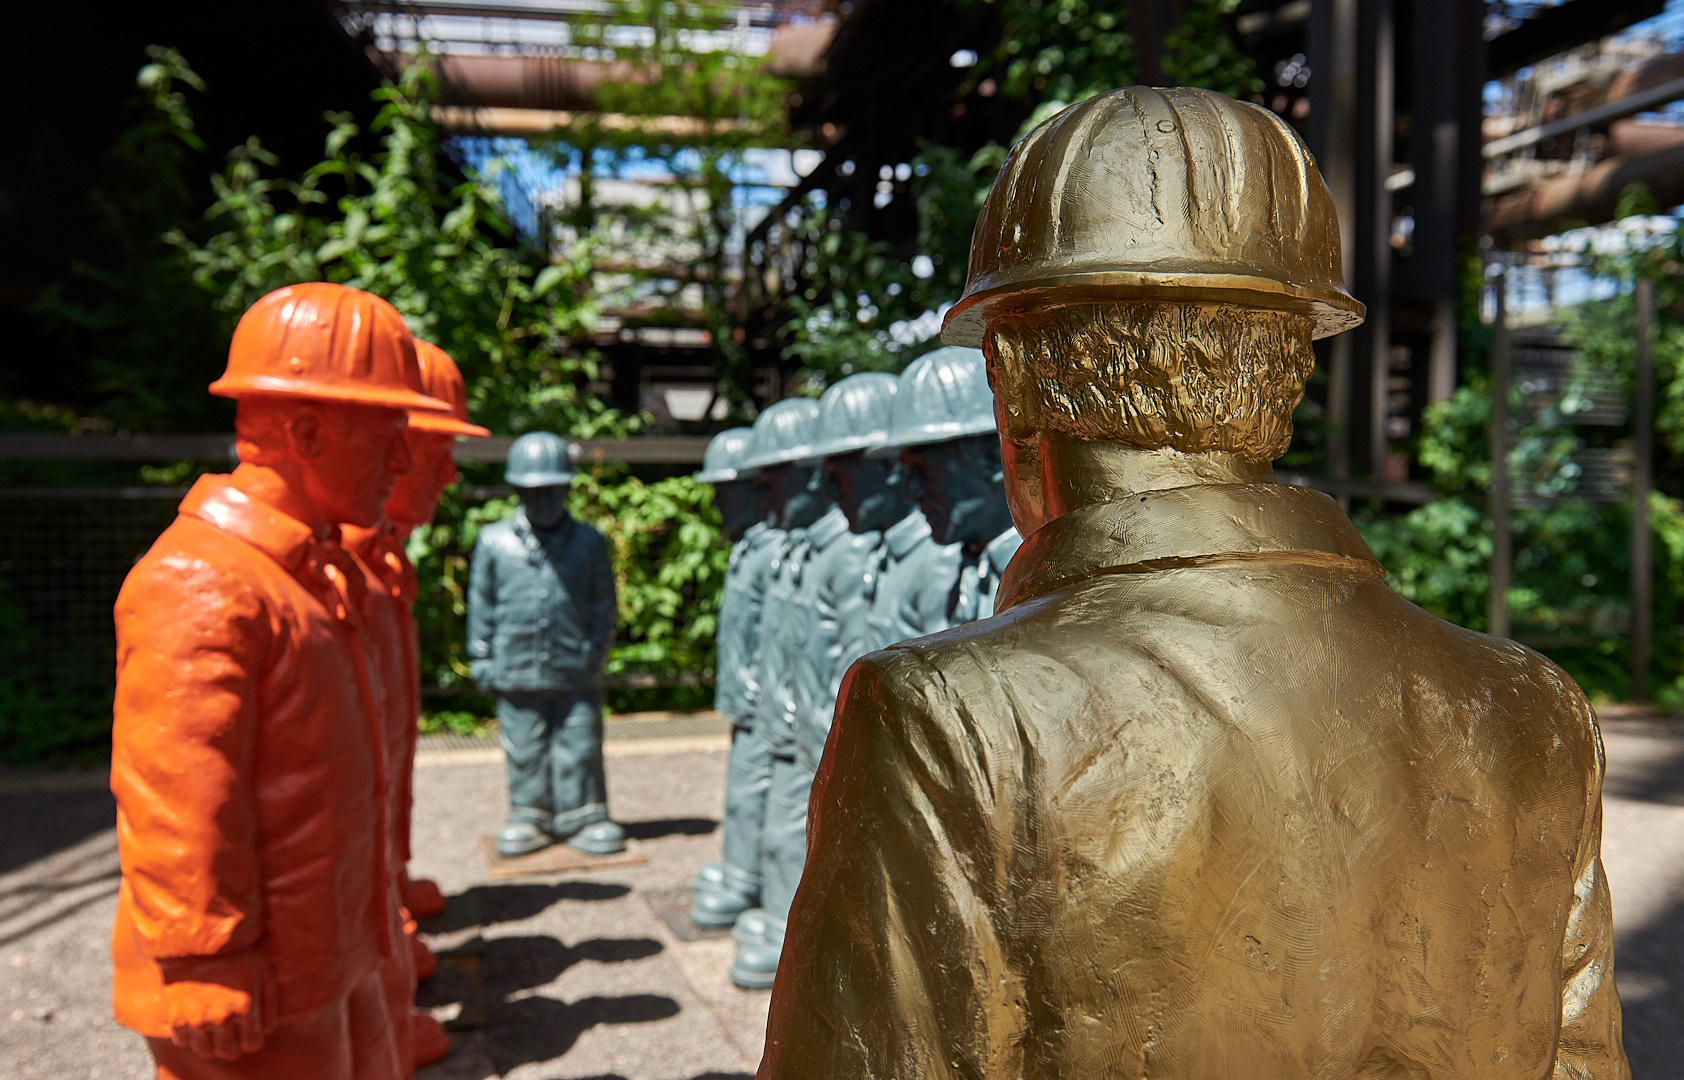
[55,820]
[1647,965]
[538,1028]
[659,827]
[487,904]
[541,1028]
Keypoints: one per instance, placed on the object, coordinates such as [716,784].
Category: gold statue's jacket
[1205,801]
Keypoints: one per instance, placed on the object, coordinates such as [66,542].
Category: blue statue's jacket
[911,588]
[737,670]
[541,606]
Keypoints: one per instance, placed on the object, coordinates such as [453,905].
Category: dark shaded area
[273,67]
[539,1028]
[62,562]
[39,825]
[659,827]
[487,904]
[1647,966]
[1656,778]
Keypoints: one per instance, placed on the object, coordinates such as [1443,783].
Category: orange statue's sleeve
[1589,1046]
[894,964]
[191,639]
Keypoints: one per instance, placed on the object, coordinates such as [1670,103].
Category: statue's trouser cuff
[351,1038]
[552,740]
[570,822]
[784,841]
[748,776]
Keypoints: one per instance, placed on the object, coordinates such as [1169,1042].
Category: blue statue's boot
[756,966]
[522,838]
[602,838]
[719,906]
[710,877]
[751,927]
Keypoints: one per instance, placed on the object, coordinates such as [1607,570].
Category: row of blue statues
[871,516]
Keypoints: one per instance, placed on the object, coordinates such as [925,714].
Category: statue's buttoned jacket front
[541,606]
[911,586]
[831,611]
[737,684]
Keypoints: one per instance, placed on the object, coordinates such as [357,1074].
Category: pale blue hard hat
[783,433]
[540,459]
[943,395]
[723,459]
[854,414]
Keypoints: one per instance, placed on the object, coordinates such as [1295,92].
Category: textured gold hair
[1195,377]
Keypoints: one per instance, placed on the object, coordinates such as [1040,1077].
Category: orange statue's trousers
[348,1039]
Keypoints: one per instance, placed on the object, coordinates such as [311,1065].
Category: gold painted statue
[1205,800]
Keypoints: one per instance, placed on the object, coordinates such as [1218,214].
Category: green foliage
[408,228]
[669,566]
[38,725]
[1063,50]
[1570,595]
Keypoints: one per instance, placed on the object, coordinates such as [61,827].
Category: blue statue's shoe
[719,906]
[602,838]
[709,878]
[522,838]
[753,927]
[756,966]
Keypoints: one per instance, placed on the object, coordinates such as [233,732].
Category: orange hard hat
[441,378]
[327,342]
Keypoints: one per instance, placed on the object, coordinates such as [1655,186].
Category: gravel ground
[582,979]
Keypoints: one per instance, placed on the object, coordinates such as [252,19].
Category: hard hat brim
[932,433]
[786,457]
[316,390]
[539,480]
[446,425]
[718,476]
[850,444]
[1330,310]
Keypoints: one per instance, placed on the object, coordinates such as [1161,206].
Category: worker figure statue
[541,614]
[943,431]
[394,654]
[854,420]
[813,601]
[1204,799]
[725,889]
[257,917]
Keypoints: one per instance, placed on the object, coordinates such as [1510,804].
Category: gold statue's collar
[1182,527]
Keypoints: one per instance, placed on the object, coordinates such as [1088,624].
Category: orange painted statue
[257,907]
[394,654]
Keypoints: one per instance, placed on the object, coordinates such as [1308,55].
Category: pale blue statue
[813,606]
[943,431]
[726,888]
[541,614]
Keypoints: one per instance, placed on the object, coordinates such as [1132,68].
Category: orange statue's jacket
[246,749]
[395,661]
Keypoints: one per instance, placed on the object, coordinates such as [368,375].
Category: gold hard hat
[1141,193]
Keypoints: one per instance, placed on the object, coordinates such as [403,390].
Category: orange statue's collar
[1187,526]
[283,538]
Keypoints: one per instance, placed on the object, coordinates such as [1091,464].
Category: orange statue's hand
[220,1006]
